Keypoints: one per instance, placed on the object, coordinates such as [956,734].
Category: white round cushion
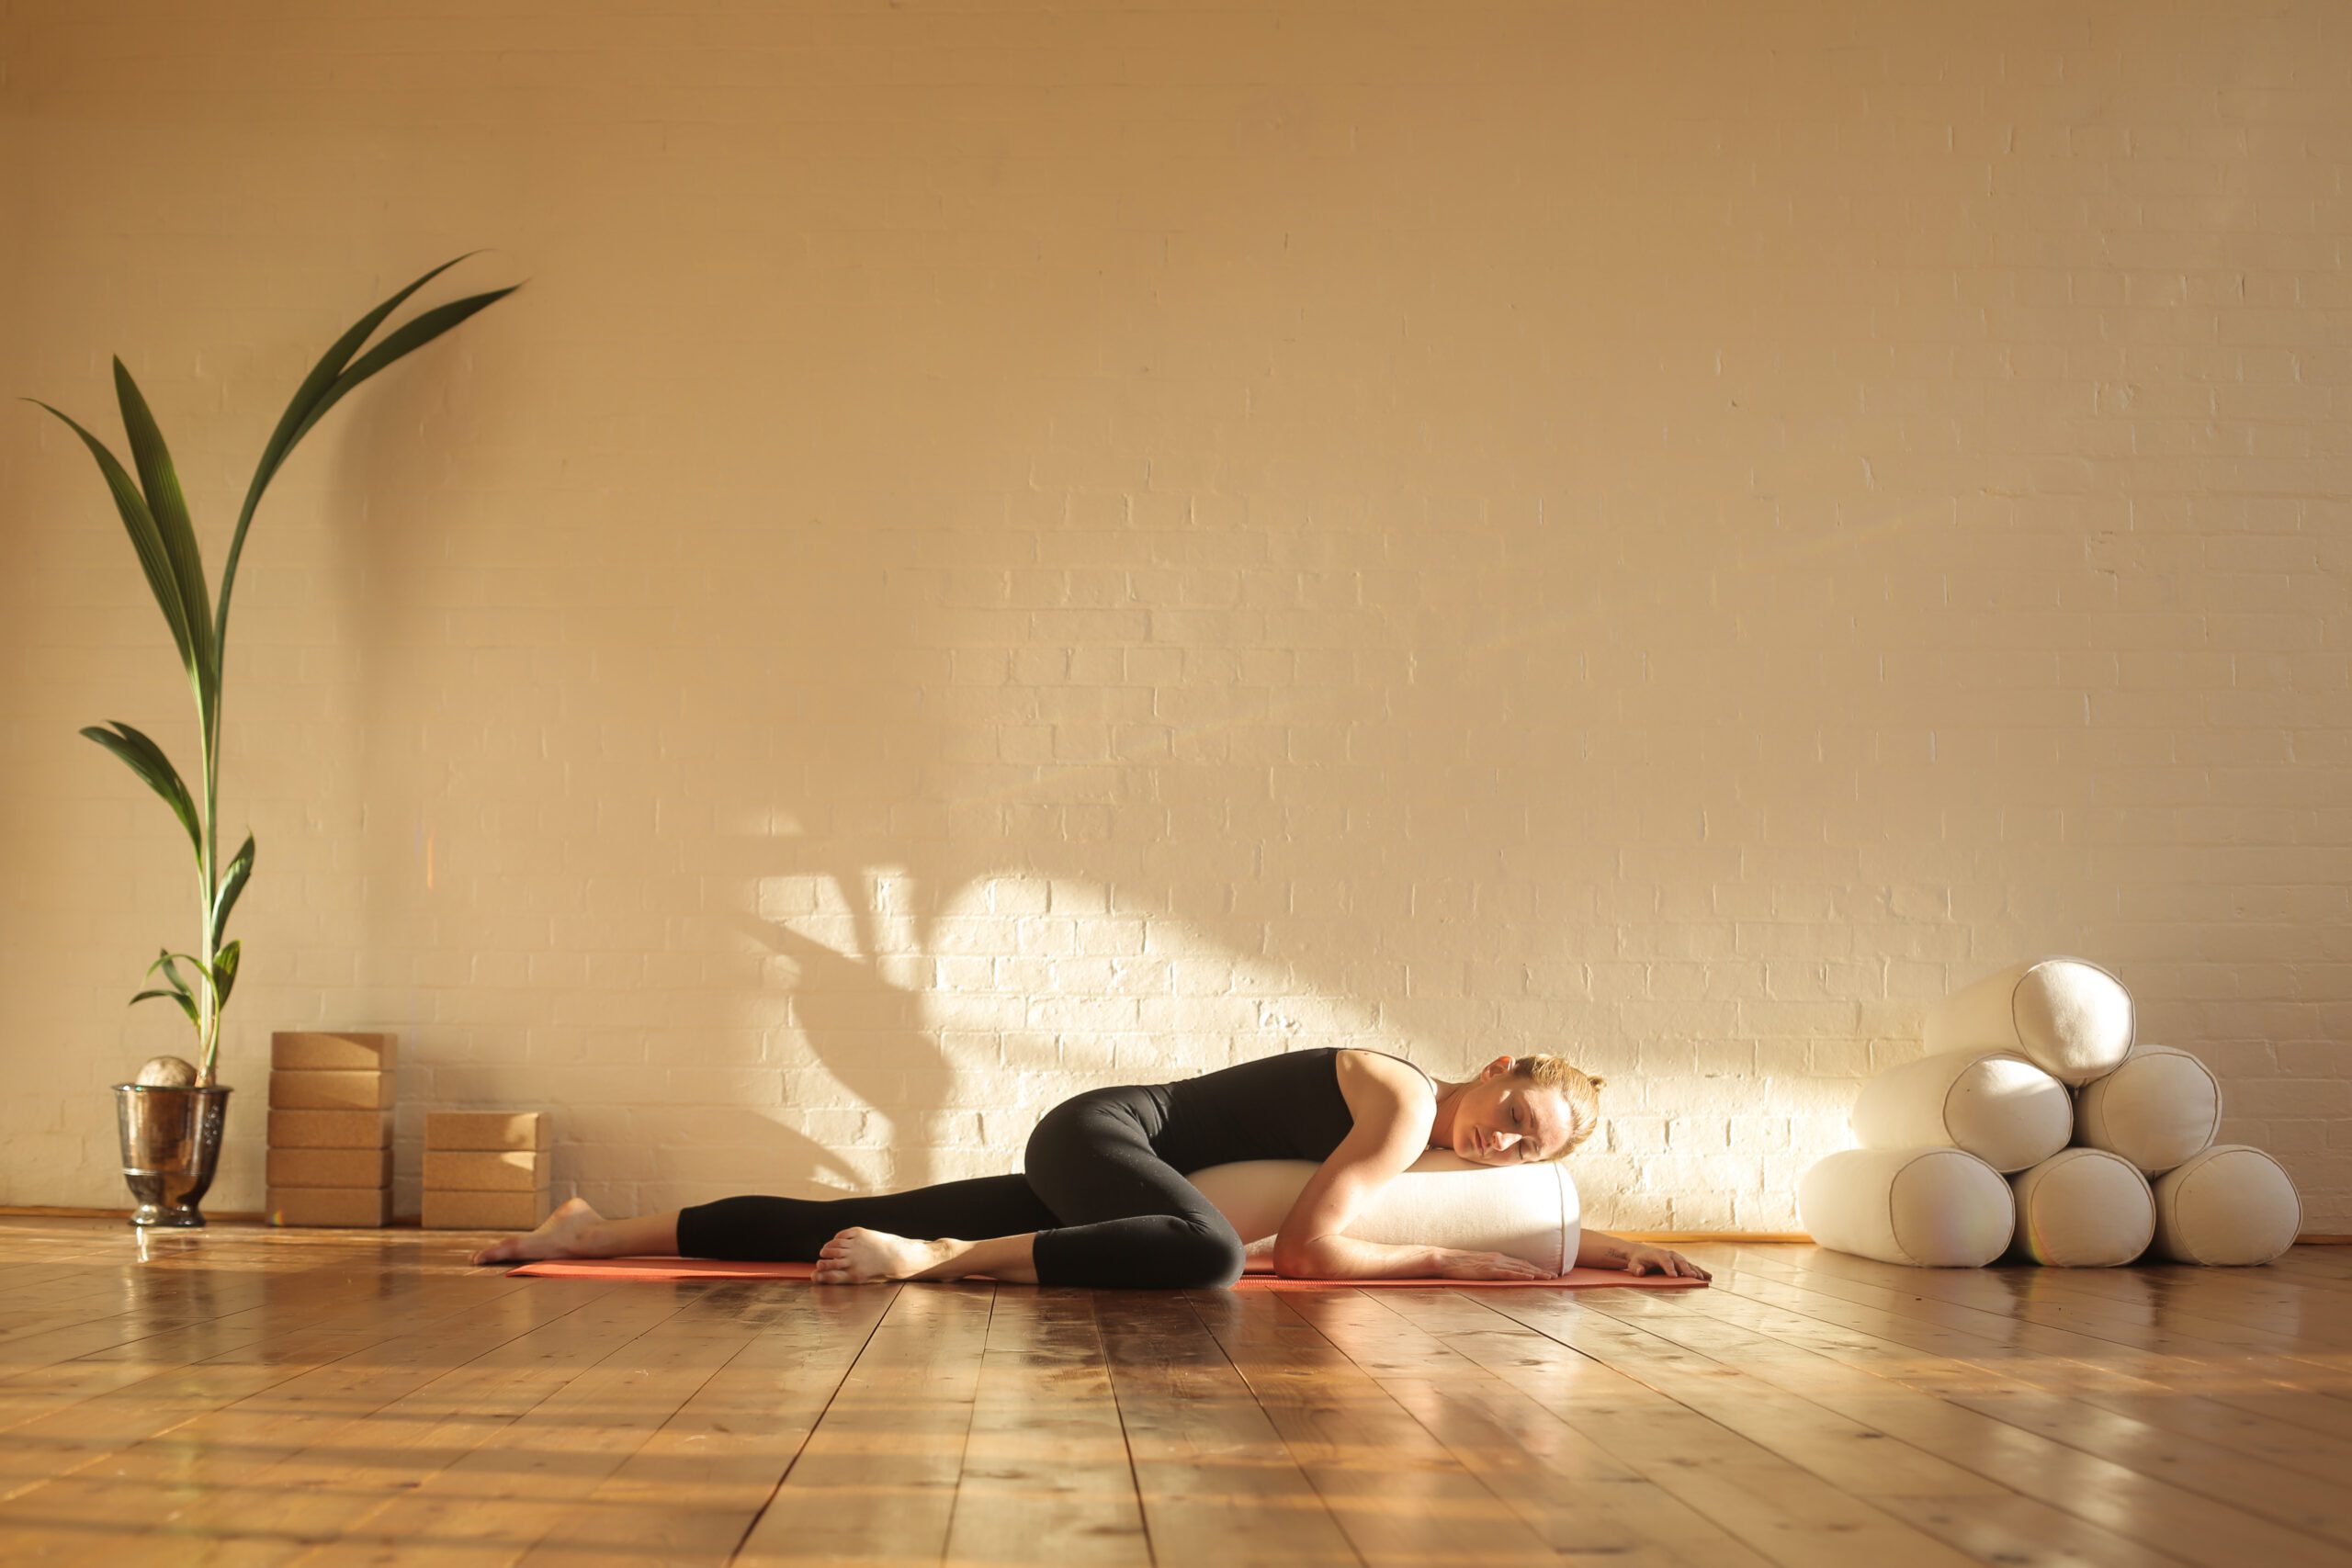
[1930,1208]
[1994,1104]
[2083,1208]
[2159,1107]
[1442,1200]
[2072,1018]
[2231,1206]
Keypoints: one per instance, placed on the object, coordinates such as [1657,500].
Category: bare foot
[556,1238]
[860,1257]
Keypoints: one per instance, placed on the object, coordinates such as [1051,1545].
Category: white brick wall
[1010,548]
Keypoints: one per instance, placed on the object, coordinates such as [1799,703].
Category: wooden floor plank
[2046,1296]
[209,1485]
[1047,1476]
[2097,1381]
[2265,1385]
[1585,1503]
[507,1492]
[333,1324]
[337,1481]
[1866,1445]
[876,1480]
[1776,1506]
[2250,1299]
[1395,1492]
[2334,1261]
[1971,1428]
[176,1324]
[64,1429]
[691,1493]
[1218,1484]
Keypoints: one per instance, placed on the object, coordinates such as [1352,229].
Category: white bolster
[1442,1200]
[1929,1208]
[2230,1205]
[2156,1110]
[1994,1104]
[2071,1017]
[2083,1208]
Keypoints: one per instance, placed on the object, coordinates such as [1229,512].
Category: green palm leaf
[147,760]
[318,391]
[168,509]
[414,335]
[231,883]
[187,1003]
[171,971]
[154,554]
[224,973]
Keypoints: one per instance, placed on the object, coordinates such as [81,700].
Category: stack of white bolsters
[2036,1127]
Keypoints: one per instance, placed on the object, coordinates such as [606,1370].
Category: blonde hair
[1578,1088]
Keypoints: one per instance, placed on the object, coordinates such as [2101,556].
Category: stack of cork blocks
[487,1169]
[330,1129]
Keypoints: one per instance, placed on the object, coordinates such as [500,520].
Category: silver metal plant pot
[171,1146]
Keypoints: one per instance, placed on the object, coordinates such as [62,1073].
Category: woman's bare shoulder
[1406,1082]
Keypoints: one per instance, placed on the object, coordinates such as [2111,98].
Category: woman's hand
[1640,1259]
[1451,1263]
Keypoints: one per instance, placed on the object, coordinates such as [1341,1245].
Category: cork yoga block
[305,1090]
[447,1210]
[2157,1110]
[2083,1208]
[1936,1208]
[1994,1104]
[330,1129]
[2231,1206]
[364,1207]
[331,1053]
[331,1167]
[489,1129]
[2070,1017]
[487,1170]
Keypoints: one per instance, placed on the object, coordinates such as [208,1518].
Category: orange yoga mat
[712,1269]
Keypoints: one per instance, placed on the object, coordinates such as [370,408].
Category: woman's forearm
[1344,1258]
[1598,1250]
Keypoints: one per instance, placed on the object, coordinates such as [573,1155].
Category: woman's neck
[1448,1097]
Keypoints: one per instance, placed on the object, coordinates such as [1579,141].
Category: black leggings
[1107,1210]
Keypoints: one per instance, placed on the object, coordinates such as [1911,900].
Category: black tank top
[1282,1107]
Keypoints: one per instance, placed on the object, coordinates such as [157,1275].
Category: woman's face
[1503,1120]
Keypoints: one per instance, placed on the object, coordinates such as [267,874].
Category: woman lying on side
[1103,1197]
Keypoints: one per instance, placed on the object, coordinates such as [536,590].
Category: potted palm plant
[171,1119]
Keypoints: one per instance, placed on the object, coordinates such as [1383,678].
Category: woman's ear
[1499,1066]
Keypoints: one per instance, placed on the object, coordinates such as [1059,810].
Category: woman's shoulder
[1369,1066]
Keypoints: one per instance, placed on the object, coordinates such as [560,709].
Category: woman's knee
[1204,1256]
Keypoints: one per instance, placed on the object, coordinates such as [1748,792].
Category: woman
[1103,1200]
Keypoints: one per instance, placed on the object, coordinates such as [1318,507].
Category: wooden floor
[248,1397]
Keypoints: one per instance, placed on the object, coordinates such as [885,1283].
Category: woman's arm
[1598,1250]
[1393,1116]
[1345,1258]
